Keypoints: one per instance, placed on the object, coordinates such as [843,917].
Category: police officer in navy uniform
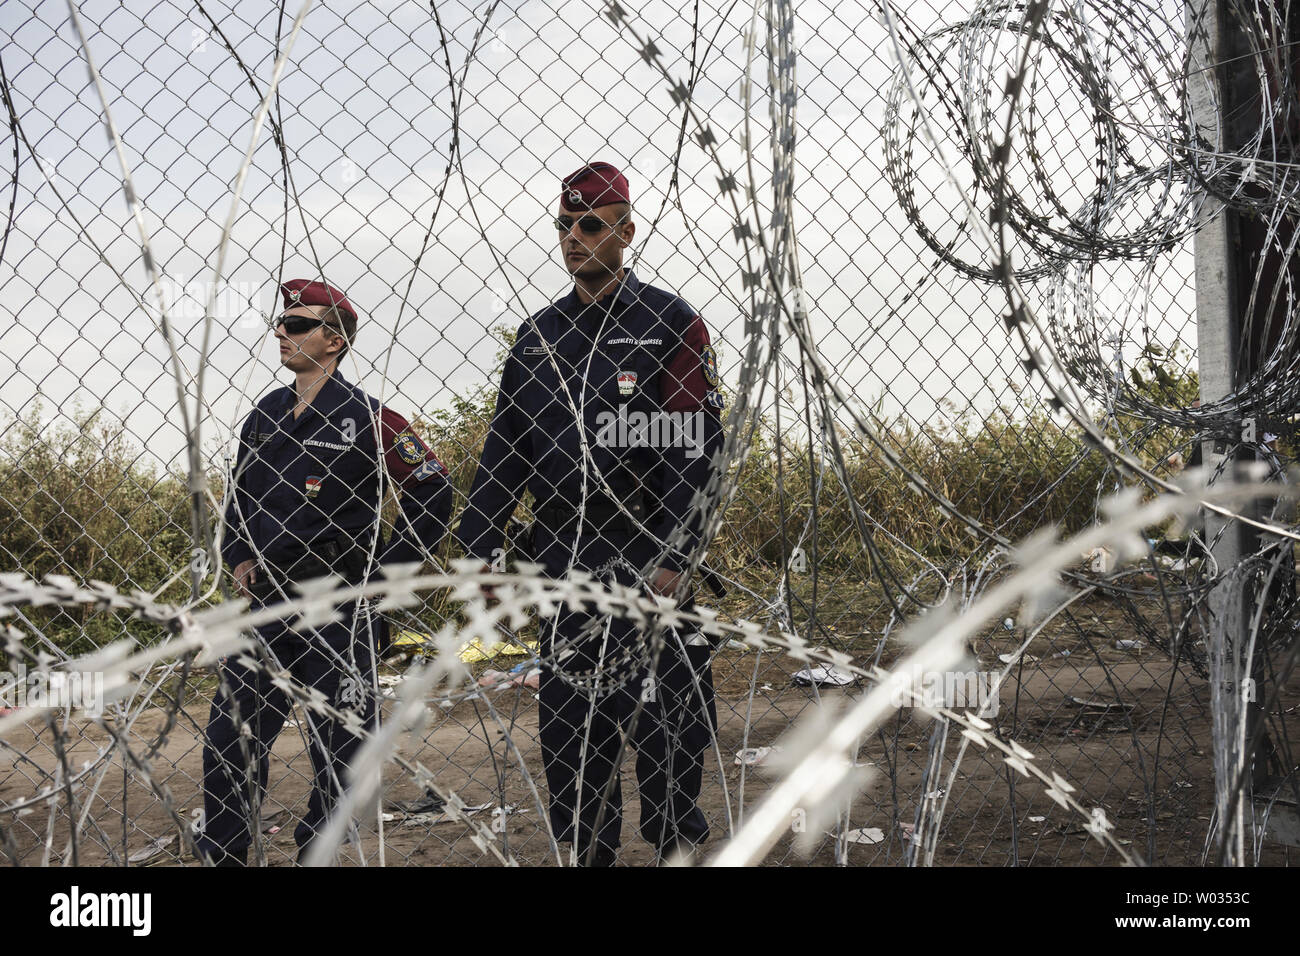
[636,363]
[314,460]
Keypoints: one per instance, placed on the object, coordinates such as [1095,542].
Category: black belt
[341,556]
[599,514]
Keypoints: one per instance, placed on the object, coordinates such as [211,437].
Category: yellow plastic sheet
[473,651]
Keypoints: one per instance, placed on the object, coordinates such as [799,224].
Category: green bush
[79,499]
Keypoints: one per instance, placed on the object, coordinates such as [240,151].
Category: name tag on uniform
[535,350]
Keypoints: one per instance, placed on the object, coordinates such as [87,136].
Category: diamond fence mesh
[846,197]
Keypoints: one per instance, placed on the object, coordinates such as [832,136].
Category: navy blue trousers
[581,731]
[334,659]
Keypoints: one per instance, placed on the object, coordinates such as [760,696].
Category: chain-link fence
[838,202]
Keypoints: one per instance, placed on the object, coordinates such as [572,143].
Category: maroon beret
[596,184]
[309,292]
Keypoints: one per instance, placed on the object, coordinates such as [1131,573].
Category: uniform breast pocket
[619,375]
[552,428]
[321,458]
[330,469]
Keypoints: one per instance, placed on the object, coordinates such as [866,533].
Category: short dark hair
[342,321]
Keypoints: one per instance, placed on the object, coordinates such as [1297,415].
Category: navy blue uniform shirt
[640,369]
[301,482]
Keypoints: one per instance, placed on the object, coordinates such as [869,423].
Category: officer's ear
[337,343]
[626,231]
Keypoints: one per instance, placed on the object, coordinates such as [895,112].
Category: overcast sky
[366,110]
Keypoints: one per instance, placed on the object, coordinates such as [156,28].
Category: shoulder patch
[409,448]
[709,365]
[428,470]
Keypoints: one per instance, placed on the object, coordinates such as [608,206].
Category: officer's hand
[245,574]
[664,581]
[488,590]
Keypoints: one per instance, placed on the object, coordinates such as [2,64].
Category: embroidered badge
[626,383]
[709,364]
[714,398]
[409,448]
[313,485]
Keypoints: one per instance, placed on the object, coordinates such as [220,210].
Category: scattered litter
[274,822]
[1098,704]
[1128,645]
[430,803]
[822,675]
[1009,624]
[422,819]
[151,850]
[936,794]
[1011,658]
[522,675]
[1100,560]
[766,687]
[480,807]
[1183,783]
[736,645]
[1037,819]
[1059,654]
[754,756]
[431,819]
[909,831]
[411,640]
[475,651]
[867,835]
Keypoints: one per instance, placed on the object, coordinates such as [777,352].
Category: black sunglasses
[590,225]
[298,324]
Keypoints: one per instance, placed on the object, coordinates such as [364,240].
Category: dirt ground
[1145,759]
